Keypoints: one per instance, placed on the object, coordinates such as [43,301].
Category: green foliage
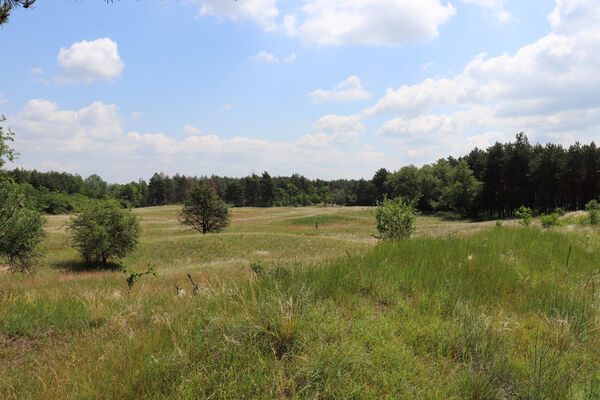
[395,219]
[593,208]
[134,276]
[550,220]
[560,211]
[203,211]
[102,229]
[498,223]
[6,152]
[21,229]
[525,214]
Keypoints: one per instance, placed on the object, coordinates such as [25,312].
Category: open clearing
[464,311]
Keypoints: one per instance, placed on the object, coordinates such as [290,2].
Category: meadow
[283,309]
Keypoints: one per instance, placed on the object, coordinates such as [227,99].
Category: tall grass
[495,315]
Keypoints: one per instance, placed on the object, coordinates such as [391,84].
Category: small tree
[395,219]
[525,214]
[21,229]
[103,230]
[594,209]
[204,211]
[21,226]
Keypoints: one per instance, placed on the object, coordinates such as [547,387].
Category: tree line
[492,183]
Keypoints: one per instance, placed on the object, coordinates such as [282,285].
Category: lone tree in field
[396,219]
[103,230]
[203,211]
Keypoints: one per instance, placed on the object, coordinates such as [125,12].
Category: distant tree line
[492,183]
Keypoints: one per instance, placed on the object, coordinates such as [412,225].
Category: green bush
[550,220]
[102,230]
[498,223]
[395,219]
[21,229]
[593,209]
[525,214]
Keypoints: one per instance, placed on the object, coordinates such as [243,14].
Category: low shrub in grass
[550,220]
[396,219]
[525,214]
[593,208]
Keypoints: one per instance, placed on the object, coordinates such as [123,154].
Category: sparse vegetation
[494,314]
[525,214]
[550,220]
[593,208]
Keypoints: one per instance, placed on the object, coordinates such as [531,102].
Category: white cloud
[42,126]
[572,16]
[229,107]
[339,123]
[348,90]
[547,88]
[368,22]
[89,61]
[271,58]
[496,7]
[263,12]
[191,130]
[92,140]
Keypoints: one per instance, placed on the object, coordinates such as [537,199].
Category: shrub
[560,211]
[203,211]
[395,219]
[594,209]
[550,220]
[525,214]
[498,223]
[21,229]
[102,229]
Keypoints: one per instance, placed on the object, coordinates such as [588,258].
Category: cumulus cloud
[348,90]
[92,139]
[272,58]
[89,61]
[262,12]
[42,126]
[368,22]
[547,89]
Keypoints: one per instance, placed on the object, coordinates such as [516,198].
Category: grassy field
[464,310]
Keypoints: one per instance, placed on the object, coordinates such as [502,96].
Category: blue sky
[326,88]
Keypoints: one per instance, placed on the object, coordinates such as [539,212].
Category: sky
[325,88]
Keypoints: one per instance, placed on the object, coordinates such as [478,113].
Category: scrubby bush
[560,211]
[525,214]
[498,223]
[550,220]
[203,211]
[21,229]
[102,230]
[593,209]
[395,219]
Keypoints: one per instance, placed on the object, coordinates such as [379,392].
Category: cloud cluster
[348,90]
[92,139]
[547,89]
[89,61]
